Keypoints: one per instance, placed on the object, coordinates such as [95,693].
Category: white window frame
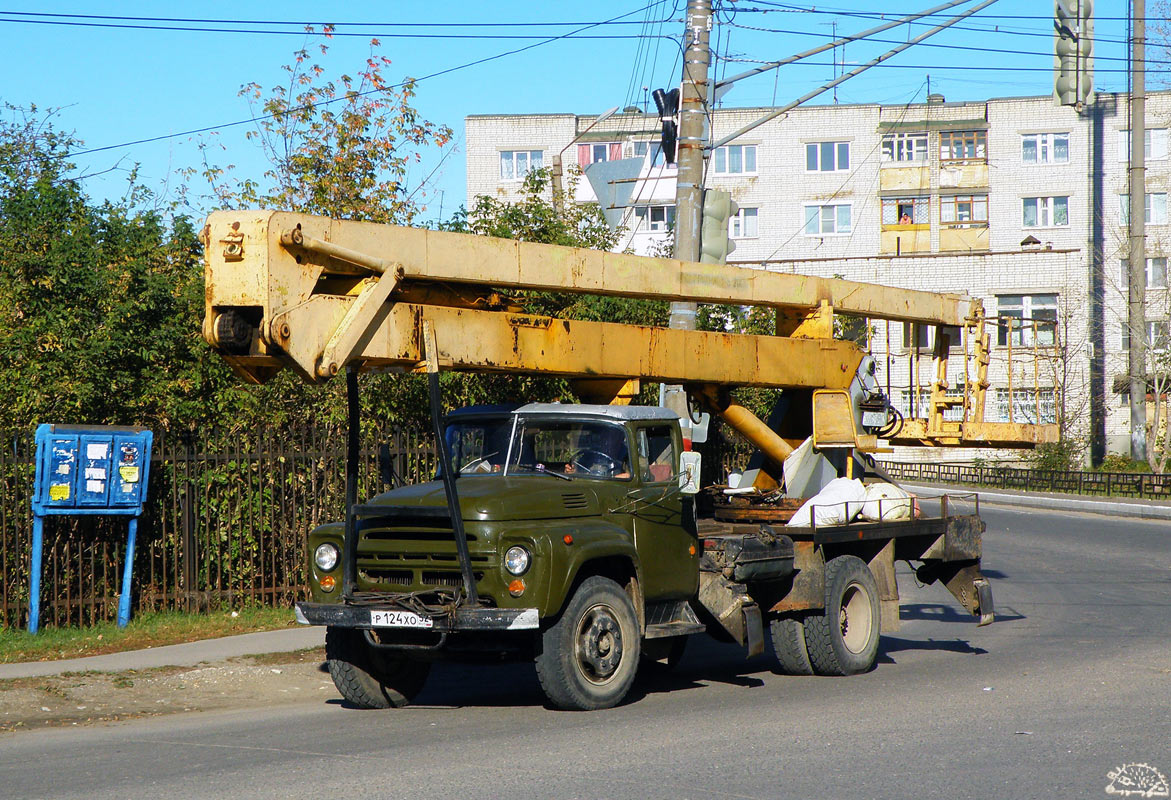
[1040,308]
[979,142]
[1157,336]
[654,219]
[1044,148]
[822,219]
[1045,211]
[1154,208]
[1157,144]
[905,148]
[722,159]
[816,154]
[745,223]
[511,155]
[652,147]
[1156,273]
[1024,405]
[925,335]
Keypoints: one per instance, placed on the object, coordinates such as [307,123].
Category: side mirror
[689,464]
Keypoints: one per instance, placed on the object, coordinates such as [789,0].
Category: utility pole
[1136,254]
[691,156]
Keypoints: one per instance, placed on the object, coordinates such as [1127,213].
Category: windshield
[571,447]
[479,446]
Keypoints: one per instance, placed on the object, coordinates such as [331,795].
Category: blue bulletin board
[86,470]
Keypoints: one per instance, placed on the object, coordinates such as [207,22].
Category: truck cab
[553,498]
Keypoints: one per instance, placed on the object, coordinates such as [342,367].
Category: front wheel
[589,657]
[369,677]
[844,640]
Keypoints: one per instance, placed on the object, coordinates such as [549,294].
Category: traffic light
[714,244]
[668,105]
[1073,51]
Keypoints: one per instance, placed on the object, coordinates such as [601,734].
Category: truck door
[664,520]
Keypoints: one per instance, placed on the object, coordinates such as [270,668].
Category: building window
[1155,144]
[1044,212]
[963,146]
[654,148]
[1155,208]
[1031,318]
[964,210]
[1025,404]
[906,211]
[917,405]
[515,164]
[827,156]
[1045,148]
[1156,273]
[917,335]
[743,225]
[598,151]
[655,219]
[1157,336]
[822,220]
[736,159]
[905,147]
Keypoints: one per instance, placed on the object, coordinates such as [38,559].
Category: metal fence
[225,521]
[1116,484]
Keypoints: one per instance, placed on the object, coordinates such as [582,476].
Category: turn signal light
[567,538]
[327,583]
[516,588]
[691,549]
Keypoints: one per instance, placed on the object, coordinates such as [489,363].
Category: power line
[407,82]
[302,24]
[262,32]
[937,45]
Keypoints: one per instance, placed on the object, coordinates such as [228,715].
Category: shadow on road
[940,612]
[893,644]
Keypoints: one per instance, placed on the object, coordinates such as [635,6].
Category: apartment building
[1016,201]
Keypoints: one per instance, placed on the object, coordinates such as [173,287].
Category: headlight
[325,557]
[517,560]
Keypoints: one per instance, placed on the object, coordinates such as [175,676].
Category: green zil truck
[575,536]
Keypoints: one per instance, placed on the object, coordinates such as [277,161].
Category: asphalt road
[1072,682]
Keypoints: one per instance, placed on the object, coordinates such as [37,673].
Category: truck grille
[398,559]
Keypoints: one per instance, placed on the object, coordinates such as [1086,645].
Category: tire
[589,657]
[844,640]
[369,677]
[788,635]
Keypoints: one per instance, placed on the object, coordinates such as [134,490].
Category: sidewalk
[177,655]
[1113,506]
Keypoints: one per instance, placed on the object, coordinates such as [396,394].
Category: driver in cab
[601,453]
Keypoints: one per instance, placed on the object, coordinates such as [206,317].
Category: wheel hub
[599,644]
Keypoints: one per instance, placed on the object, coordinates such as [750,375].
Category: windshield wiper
[541,469]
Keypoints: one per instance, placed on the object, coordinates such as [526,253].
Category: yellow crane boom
[313,294]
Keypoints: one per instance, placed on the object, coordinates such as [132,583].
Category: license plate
[399,619]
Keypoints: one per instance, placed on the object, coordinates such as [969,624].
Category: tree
[99,304]
[338,148]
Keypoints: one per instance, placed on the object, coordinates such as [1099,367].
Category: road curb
[1054,502]
[176,655]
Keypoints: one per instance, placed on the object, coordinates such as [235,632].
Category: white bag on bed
[836,504]
[895,503]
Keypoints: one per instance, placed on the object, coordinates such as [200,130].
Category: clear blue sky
[116,85]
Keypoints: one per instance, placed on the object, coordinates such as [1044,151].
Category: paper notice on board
[97,451]
[59,491]
[63,469]
[95,473]
[95,487]
[128,474]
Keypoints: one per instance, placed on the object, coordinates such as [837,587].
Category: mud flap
[986,609]
[733,609]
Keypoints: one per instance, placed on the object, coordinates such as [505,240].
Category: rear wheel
[369,677]
[589,657]
[788,635]
[844,640]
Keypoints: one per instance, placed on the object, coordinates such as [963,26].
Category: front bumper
[458,619]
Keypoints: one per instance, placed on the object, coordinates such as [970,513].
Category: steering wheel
[480,464]
[603,464]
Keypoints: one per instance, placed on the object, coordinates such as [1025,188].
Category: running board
[673,618]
